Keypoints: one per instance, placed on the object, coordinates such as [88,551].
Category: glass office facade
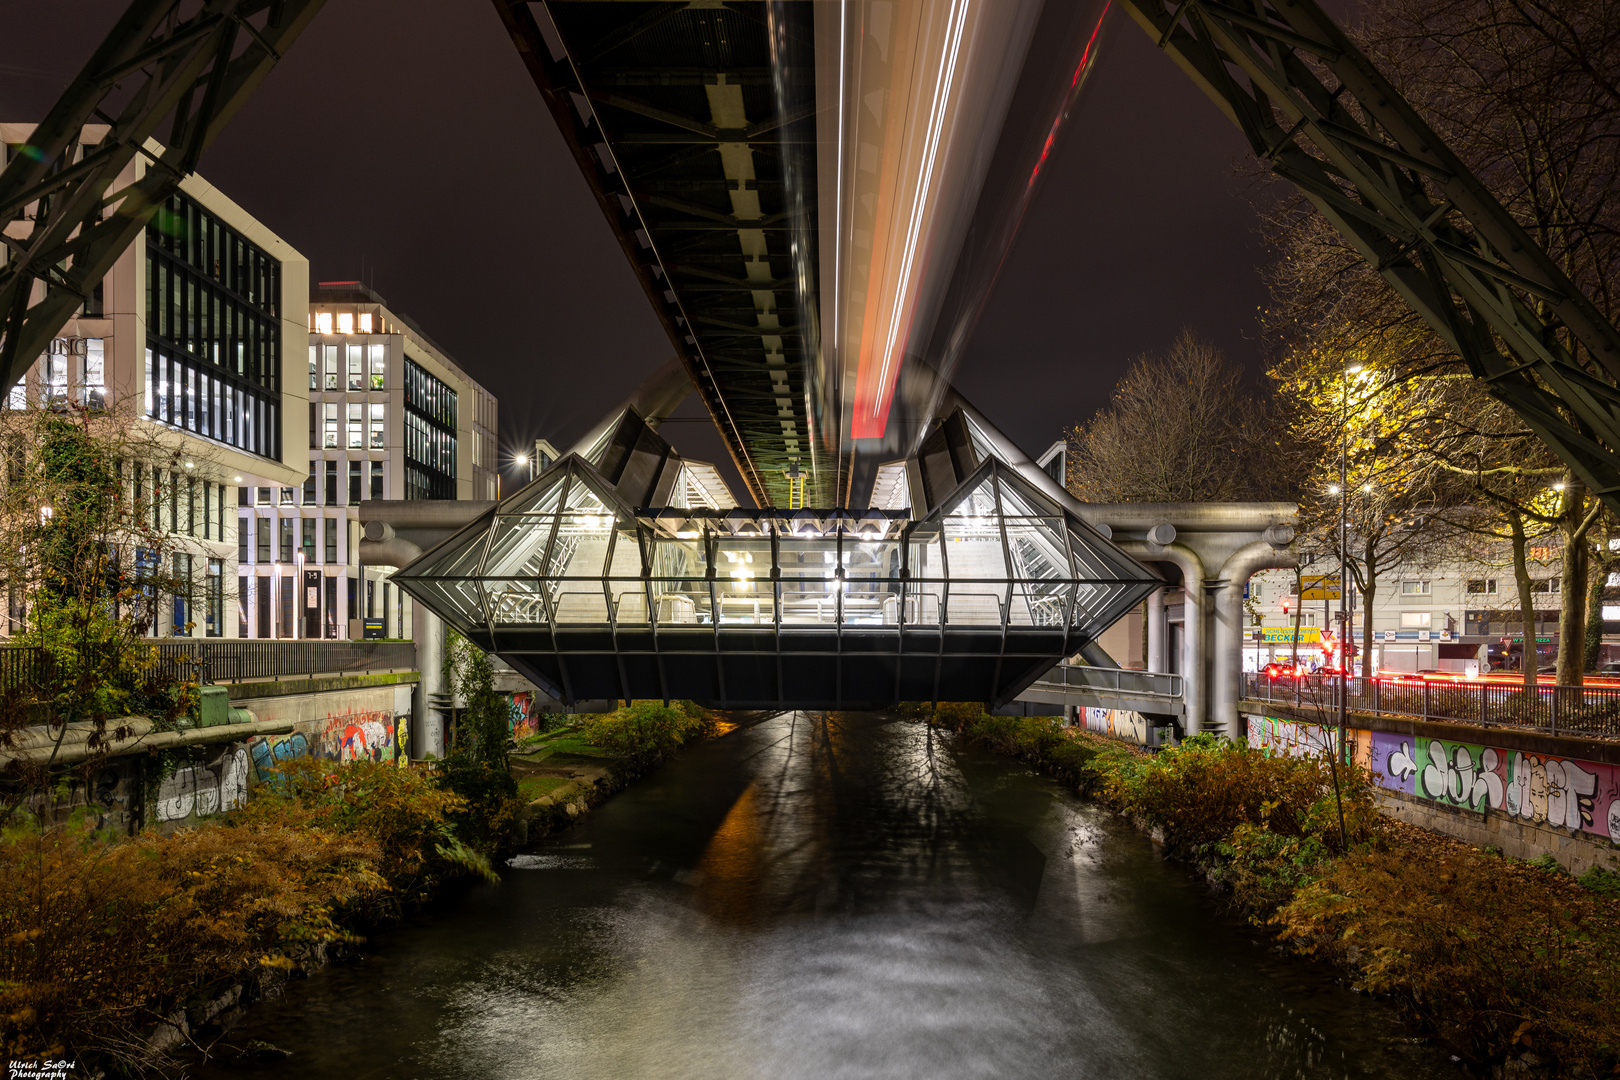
[213,352]
[430,436]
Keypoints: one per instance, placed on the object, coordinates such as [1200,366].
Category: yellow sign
[1308,635]
[1319,587]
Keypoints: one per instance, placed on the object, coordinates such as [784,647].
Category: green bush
[647,732]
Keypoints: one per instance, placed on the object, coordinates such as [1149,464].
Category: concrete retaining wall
[1523,792]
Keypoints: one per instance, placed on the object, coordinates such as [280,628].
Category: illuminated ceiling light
[236,479]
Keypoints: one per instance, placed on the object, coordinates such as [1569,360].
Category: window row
[72,369]
[281,606]
[428,396]
[192,315]
[281,540]
[174,502]
[182,395]
[358,488]
[189,606]
[366,367]
[194,237]
[347,322]
[326,430]
[430,446]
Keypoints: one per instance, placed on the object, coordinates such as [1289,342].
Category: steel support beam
[153,64]
[1413,210]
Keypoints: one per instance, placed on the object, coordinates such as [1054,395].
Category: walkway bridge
[1151,693]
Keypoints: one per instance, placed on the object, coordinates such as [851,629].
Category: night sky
[402,142]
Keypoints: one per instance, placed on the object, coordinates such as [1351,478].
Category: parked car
[1611,668]
[1278,669]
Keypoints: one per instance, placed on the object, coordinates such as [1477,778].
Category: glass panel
[975,604]
[518,546]
[871,582]
[516,602]
[625,587]
[974,550]
[743,581]
[809,581]
[925,592]
[542,500]
[680,591]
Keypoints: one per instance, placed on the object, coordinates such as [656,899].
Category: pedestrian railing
[1567,710]
[1126,681]
[27,666]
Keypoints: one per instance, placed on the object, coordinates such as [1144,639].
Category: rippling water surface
[817,897]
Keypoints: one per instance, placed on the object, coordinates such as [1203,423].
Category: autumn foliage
[101,937]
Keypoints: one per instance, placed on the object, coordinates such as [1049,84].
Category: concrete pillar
[1155,631]
[1194,663]
[1228,652]
[427,630]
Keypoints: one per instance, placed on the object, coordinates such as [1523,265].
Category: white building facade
[390,416]
[192,329]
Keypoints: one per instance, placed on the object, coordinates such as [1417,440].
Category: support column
[427,629]
[1228,652]
[1155,631]
[1194,661]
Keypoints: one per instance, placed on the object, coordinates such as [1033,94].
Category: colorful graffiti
[1106,722]
[525,721]
[209,788]
[1565,793]
[368,735]
[1288,737]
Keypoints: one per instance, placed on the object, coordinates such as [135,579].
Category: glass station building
[592,596]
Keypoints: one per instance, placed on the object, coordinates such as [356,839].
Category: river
[816,897]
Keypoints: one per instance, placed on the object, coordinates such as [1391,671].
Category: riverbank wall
[1526,794]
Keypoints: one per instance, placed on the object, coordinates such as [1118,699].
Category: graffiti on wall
[1106,722]
[525,721]
[209,788]
[1565,793]
[355,735]
[1291,738]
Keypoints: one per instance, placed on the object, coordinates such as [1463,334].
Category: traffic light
[1289,603]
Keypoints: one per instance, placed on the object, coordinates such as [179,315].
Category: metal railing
[1127,681]
[231,661]
[1567,710]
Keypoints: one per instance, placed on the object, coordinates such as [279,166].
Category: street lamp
[1346,638]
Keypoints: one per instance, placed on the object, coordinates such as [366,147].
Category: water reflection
[834,897]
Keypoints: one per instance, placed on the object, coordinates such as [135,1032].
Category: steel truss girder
[201,68]
[560,84]
[1412,209]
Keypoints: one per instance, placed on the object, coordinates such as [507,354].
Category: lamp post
[298,620]
[1345,636]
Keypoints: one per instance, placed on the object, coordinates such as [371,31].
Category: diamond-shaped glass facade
[758,608]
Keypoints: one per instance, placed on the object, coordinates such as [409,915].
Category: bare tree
[1180,428]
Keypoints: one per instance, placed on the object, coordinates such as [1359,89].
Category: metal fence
[1127,681]
[1568,710]
[232,661]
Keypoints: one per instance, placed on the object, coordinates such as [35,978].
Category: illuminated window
[357,375]
[18,398]
[56,381]
[314,367]
[330,439]
[377,417]
[93,374]
[346,323]
[1415,620]
[356,437]
[323,322]
[365,322]
[331,357]
[378,355]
